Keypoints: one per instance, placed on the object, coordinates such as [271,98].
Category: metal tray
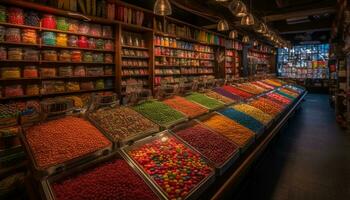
[40,172]
[242,149]
[196,191]
[46,182]
[120,143]
[221,169]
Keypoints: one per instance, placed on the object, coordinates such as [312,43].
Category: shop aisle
[309,160]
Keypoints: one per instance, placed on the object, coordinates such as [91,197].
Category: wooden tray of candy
[121,142]
[40,172]
[195,192]
[206,117]
[46,182]
[221,169]
[210,109]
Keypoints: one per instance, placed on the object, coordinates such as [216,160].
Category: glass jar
[65,71]
[13,91]
[83,42]
[108,83]
[99,84]
[32,19]
[49,55]
[31,55]
[73,25]
[3,53]
[15,16]
[72,86]
[87,57]
[108,70]
[2,33]
[2,14]
[29,36]
[62,40]
[94,71]
[10,72]
[100,43]
[84,28]
[32,90]
[48,21]
[88,85]
[95,30]
[30,72]
[49,38]
[14,54]
[108,58]
[73,41]
[47,72]
[92,43]
[79,71]
[109,45]
[107,31]
[76,56]
[97,57]
[64,56]
[13,35]
[62,24]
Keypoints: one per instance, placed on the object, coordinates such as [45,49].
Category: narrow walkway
[309,160]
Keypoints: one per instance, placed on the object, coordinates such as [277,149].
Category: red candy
[279,98]
[111,180]
[48,21]
[237,92]
[215,147]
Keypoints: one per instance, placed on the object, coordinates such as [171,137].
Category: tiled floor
[309,159]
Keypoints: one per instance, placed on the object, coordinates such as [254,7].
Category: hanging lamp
[233,34]
[255,43]
[238,8]
[221,0]
[162,7]
[245,39]
[248,20]
[222,25]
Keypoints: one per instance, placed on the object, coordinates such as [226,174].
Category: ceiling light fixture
[233,34]
[238,8]
[248,20]
[162,7]
[245,39]
[222,25]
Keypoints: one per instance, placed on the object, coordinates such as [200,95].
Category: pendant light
[261,28]
[221,0]
[222,25]
[162,7]
[238,8]
[245,39]
[233,34]
[248,20]
[255,43]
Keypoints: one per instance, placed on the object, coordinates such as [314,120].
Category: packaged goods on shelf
[30,72]
[217,148]
[13,91]
[123,123]
[100,44]
[10,72]
[62,24]
[257,114]
[114,176]
[99,84]
[72,86]
[29,36]
[32,19]
[98,57]
[243,119]
[189,169]
[87,85]
[61,40]
[87,57]
[48,38]
[48,21]
[71,135]
[49,55]
[64,56]
[50,87]
[13,35]
[206,101]
[15,54]
[107,31]
[15,16]
[32,89]
[159,112]
[2,33]
[31,55]
[3,53]
[76,56]
[3,14]
[94,71]
[109,83]
[191,110]
[239,134]
[73,41]
[79,71]
[46,72]
[108,58]
[108,71]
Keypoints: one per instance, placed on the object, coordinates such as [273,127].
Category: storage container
[79,71]
[72,86]
[30,72]
[87,57]
[62,40]
[32,19]
[73,41]
[65,56]
[3,15]
[107,31]
[10,72]
[31,55]
[92,43]
[13,35]
[15,54]
[49,55]
[29,36]
[94,71]
[109,45]
[87,85]
[32,89]
[15,16]
[65,71]
[100,43]
[76,56]
[13,90]
[2,33]
[46,72]
[98,57]
[108,58]
[95,30]
[108,70]
[73,25]
[84,28]
[62,23]
[48,21]
[83,42]
[3,53]
[48,38]
[99,84]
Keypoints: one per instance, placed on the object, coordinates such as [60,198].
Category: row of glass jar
[63,71]
[182,62]
[161,51]
[49,87]
[135,72]
[17,16]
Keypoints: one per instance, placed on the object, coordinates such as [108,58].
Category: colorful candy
[254,112]
[219,97]
[188,108]
[266,106]
[237,92]
[226,93]
[204,100]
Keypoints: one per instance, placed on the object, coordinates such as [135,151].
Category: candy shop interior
[166,99]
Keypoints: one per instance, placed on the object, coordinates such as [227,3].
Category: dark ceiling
[299,21]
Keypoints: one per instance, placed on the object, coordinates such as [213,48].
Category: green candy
[204,100]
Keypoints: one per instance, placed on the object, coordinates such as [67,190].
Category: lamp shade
[255,43]
[233,34]
[162,7]
[245,39]
[223,25]
[248,20]
[238,8]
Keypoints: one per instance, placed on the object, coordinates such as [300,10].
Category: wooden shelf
[135,67]
[19,26]
[136,57]
[20,44]
[186,39]
[185,58]
[189,66]
[177,48]
[136,75]
[134,47]
[83,63]
[74,33]
[77,48]
[55,78]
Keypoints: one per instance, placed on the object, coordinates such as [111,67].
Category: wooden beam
[301,13]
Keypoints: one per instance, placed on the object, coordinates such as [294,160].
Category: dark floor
[309,160]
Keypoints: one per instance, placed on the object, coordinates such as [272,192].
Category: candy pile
[292,93]
[159,112]
[219,97]
[272,82]
[227,94]
[267,106]
[243,119]
[238,92]
[111,180]
[188,108]
[279,98]
[262,84]
[8,115]
[123,122]
[250,88]
[173,166]
[231,129]
[204,100]
[215,147]
[257,114]
[61,140]
[285,95]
